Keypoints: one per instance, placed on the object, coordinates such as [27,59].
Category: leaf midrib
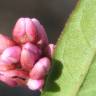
[86,74]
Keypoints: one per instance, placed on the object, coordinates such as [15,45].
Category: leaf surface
[74,63]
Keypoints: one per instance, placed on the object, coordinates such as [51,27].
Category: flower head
[25,60]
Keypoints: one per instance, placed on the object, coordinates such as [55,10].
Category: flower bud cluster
[26,58]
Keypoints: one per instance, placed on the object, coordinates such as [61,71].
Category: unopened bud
[4,66]
[30,53]
[25,60]
[9,81]
[24,31]
[35,84]
[17,73]
[11,54]
[5,42]
[17,76]
[49,50]
[41,33]
[40,69]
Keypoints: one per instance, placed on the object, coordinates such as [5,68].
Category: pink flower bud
[26,60]
[17,73]
[9,81]
[41,33]
[49,50]
[35,84]
[24,31]
[5,42]
[11,54]
[4,66]
[30,53]
[18,77]
[40,69]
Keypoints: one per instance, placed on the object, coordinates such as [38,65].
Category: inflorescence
[25,60]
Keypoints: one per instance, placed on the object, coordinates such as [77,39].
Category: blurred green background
[51,13]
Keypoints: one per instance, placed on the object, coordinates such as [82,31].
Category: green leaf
[74,63]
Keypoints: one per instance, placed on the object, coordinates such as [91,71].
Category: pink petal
[35,84]
[8,81]
[17,77]
[4,66]
[40,69]
[30,30]
[11,54]
[41,33]
[30,53]
[5,42]
[24,31]
[49,50]
[19,30]
[15,74]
